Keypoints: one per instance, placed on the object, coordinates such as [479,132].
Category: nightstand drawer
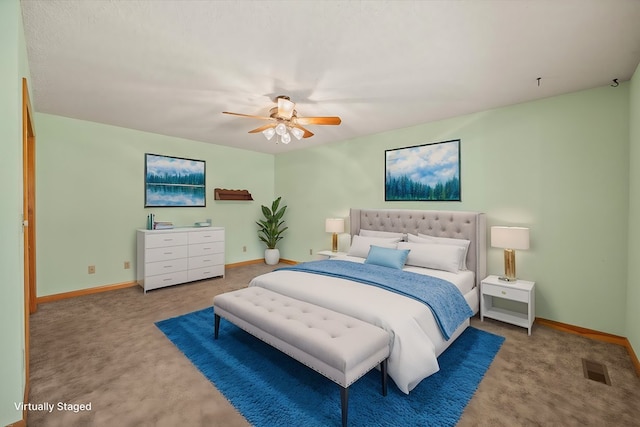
[505,292]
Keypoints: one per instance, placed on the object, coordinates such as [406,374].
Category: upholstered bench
[341,348]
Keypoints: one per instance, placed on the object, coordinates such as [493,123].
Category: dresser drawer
[206,236]
[166,253]
[165,239]
[206,272]
[505,292]
[163,280]
[206,248]
[162,267]
[206,260]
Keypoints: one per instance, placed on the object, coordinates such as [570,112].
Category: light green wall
[557,165]
[90,199]
[633,289]
[12,69]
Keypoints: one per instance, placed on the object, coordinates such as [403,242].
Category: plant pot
[271,256]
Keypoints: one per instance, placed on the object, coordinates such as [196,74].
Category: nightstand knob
[503,293]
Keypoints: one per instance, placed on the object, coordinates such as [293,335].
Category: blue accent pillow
[387,257]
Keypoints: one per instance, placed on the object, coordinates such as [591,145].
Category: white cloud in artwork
[171,166]
[427,164]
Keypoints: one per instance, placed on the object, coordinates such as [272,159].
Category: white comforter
[417,340]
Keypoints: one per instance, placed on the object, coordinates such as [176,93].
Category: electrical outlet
[310,251]
[127,265]
[244,249]
[92,269]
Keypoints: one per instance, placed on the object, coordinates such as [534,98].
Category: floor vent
[595,371]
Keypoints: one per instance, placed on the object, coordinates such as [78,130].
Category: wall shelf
[224,194]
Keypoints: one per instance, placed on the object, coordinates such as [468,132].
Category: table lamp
[335,226]
[510,239]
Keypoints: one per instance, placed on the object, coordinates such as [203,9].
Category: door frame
[29,224]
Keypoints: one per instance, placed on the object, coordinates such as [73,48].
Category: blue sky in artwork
[161,165]
[428,164]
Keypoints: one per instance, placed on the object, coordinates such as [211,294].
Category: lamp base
[334,242]
[509,266]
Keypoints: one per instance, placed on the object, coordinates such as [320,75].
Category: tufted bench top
[338,346]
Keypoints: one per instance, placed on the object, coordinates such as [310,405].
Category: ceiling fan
[284,121]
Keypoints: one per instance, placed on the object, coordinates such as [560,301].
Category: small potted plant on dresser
[271,229]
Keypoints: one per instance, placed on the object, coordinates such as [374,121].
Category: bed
[417,337]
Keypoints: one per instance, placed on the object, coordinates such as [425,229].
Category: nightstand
[330,253]
[520,290]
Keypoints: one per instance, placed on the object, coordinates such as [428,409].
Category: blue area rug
[269,388]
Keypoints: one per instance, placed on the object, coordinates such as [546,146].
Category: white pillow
[435,256]
[424,238]
[383,234]
[360,245]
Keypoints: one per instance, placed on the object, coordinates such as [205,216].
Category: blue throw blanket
[446,302]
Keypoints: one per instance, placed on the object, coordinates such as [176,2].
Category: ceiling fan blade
[261,128]
[285,108]
[318,120]
[247,115]
[307,133]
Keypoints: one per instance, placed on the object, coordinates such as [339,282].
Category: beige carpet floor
[104,350]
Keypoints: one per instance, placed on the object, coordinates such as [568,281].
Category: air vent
[595,371]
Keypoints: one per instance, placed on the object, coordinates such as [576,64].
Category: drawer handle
[168,240]
[205,272]
[166,280]
[206,260]
[167,266]
[206,249]
[168,253]
[504,293]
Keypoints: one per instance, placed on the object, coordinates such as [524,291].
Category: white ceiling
[171,67]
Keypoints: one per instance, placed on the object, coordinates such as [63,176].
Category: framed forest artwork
[173,181]
[428,172]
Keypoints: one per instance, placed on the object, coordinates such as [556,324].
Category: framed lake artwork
[173,181]
[428,172]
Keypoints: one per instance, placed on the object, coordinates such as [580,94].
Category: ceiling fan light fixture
[285,107]
[284,122]
[268,133]
[281,129]
[298,133]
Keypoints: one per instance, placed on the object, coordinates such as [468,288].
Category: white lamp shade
[510,237]
[334,225]
[285,108]
[298,133]
[268,133]
[281,129]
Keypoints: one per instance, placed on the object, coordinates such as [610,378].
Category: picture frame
[427,172]
[174,181]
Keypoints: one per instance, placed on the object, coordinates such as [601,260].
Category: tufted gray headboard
[454,224]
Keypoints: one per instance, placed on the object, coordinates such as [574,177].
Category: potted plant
[271,229]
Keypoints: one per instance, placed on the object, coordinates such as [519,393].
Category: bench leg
[383,370]
[344,400]
[216,327]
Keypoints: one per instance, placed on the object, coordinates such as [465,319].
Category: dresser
[178,255]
